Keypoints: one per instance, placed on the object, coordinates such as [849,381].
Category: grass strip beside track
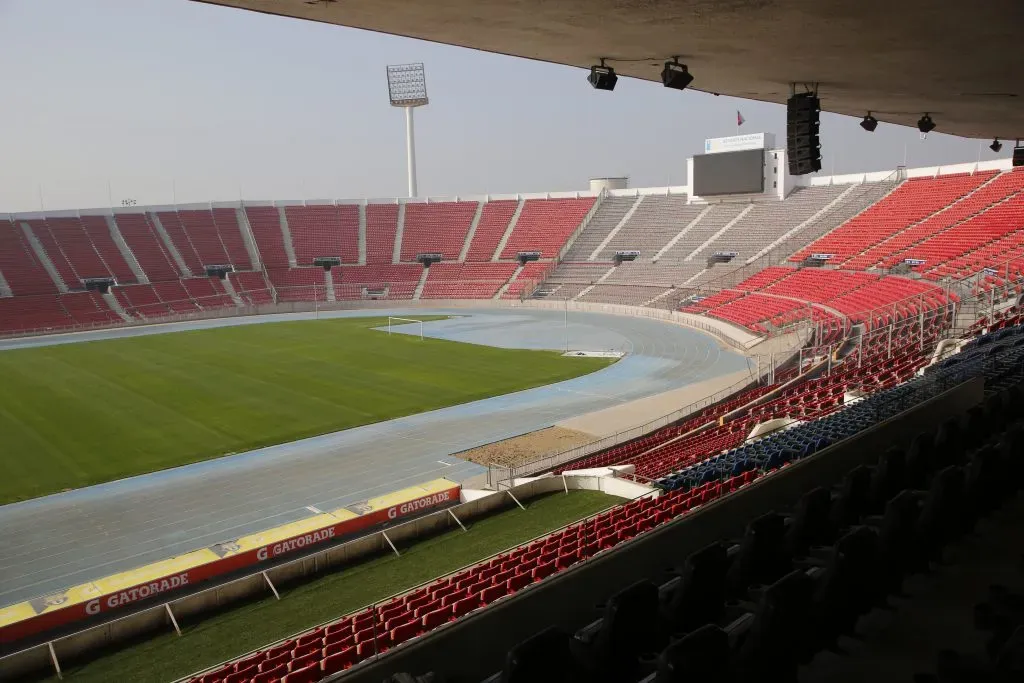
[80,414]
[248,626]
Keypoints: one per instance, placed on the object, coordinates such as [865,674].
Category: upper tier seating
[489,231]
[892,251]
[22,270]
[909,203]
[609,214]
[88,258]
[545,224]
[144,240]
[265,222]
[84,244]
[320,230]
[381,226]
[439,228]
[654,223]
[713,218]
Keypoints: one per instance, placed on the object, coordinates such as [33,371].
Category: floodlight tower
[407,88]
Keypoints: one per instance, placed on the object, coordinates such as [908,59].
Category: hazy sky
[166,98]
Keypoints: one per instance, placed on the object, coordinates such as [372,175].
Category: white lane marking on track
[314,510]
[446,464]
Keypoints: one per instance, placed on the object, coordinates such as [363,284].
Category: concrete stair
[169,245]
[472,231]
[362,234]
[229,287]
[512,278]
[44,259]
[289,248]
[682,233]
[396,253]
[615,231]
[329,284]
[248,238]
[126,252]
[116,307]
[419,285]
[508,231]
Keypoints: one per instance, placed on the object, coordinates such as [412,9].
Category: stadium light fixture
[925,124]
[602,77]
[675,75]
[869,123]
[407,88]
[996,146]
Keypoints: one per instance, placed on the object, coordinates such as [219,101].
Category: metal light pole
[407,88]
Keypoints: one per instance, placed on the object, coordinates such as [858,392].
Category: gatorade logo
[419,504]
[92,607]
[268,551]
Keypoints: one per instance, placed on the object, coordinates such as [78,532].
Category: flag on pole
[739,118]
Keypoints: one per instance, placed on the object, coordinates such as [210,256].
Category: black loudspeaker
[803,145]
[602,77]
[1018,156]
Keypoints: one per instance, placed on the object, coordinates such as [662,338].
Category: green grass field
[81,414]
[240,629]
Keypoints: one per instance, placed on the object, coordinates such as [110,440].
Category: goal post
[393,320]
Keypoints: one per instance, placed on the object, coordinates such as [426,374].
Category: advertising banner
[116,592]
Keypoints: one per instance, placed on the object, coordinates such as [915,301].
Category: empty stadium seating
[545,224]
[492,226]
[466,280]
[439,228]
[265,223]
[910,203]
[959,225]
[22,269]
[324,230]
[381,226]
[763,556]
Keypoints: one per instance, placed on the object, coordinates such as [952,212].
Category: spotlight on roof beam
[602,77]
[996,146]
[675,75]
[925,124]
[869,123]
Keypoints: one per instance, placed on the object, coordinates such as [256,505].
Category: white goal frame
[405,320]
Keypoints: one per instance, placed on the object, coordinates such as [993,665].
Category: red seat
[274,662]
[544,570]
[518,582]
[432,620]
[405,632]
[309,674]
[338,661]
[491,594]
[267,676]
[305,660]
[466,605]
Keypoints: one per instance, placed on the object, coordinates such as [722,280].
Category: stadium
[765,424]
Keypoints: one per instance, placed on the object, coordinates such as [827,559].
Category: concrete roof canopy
[960,61]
